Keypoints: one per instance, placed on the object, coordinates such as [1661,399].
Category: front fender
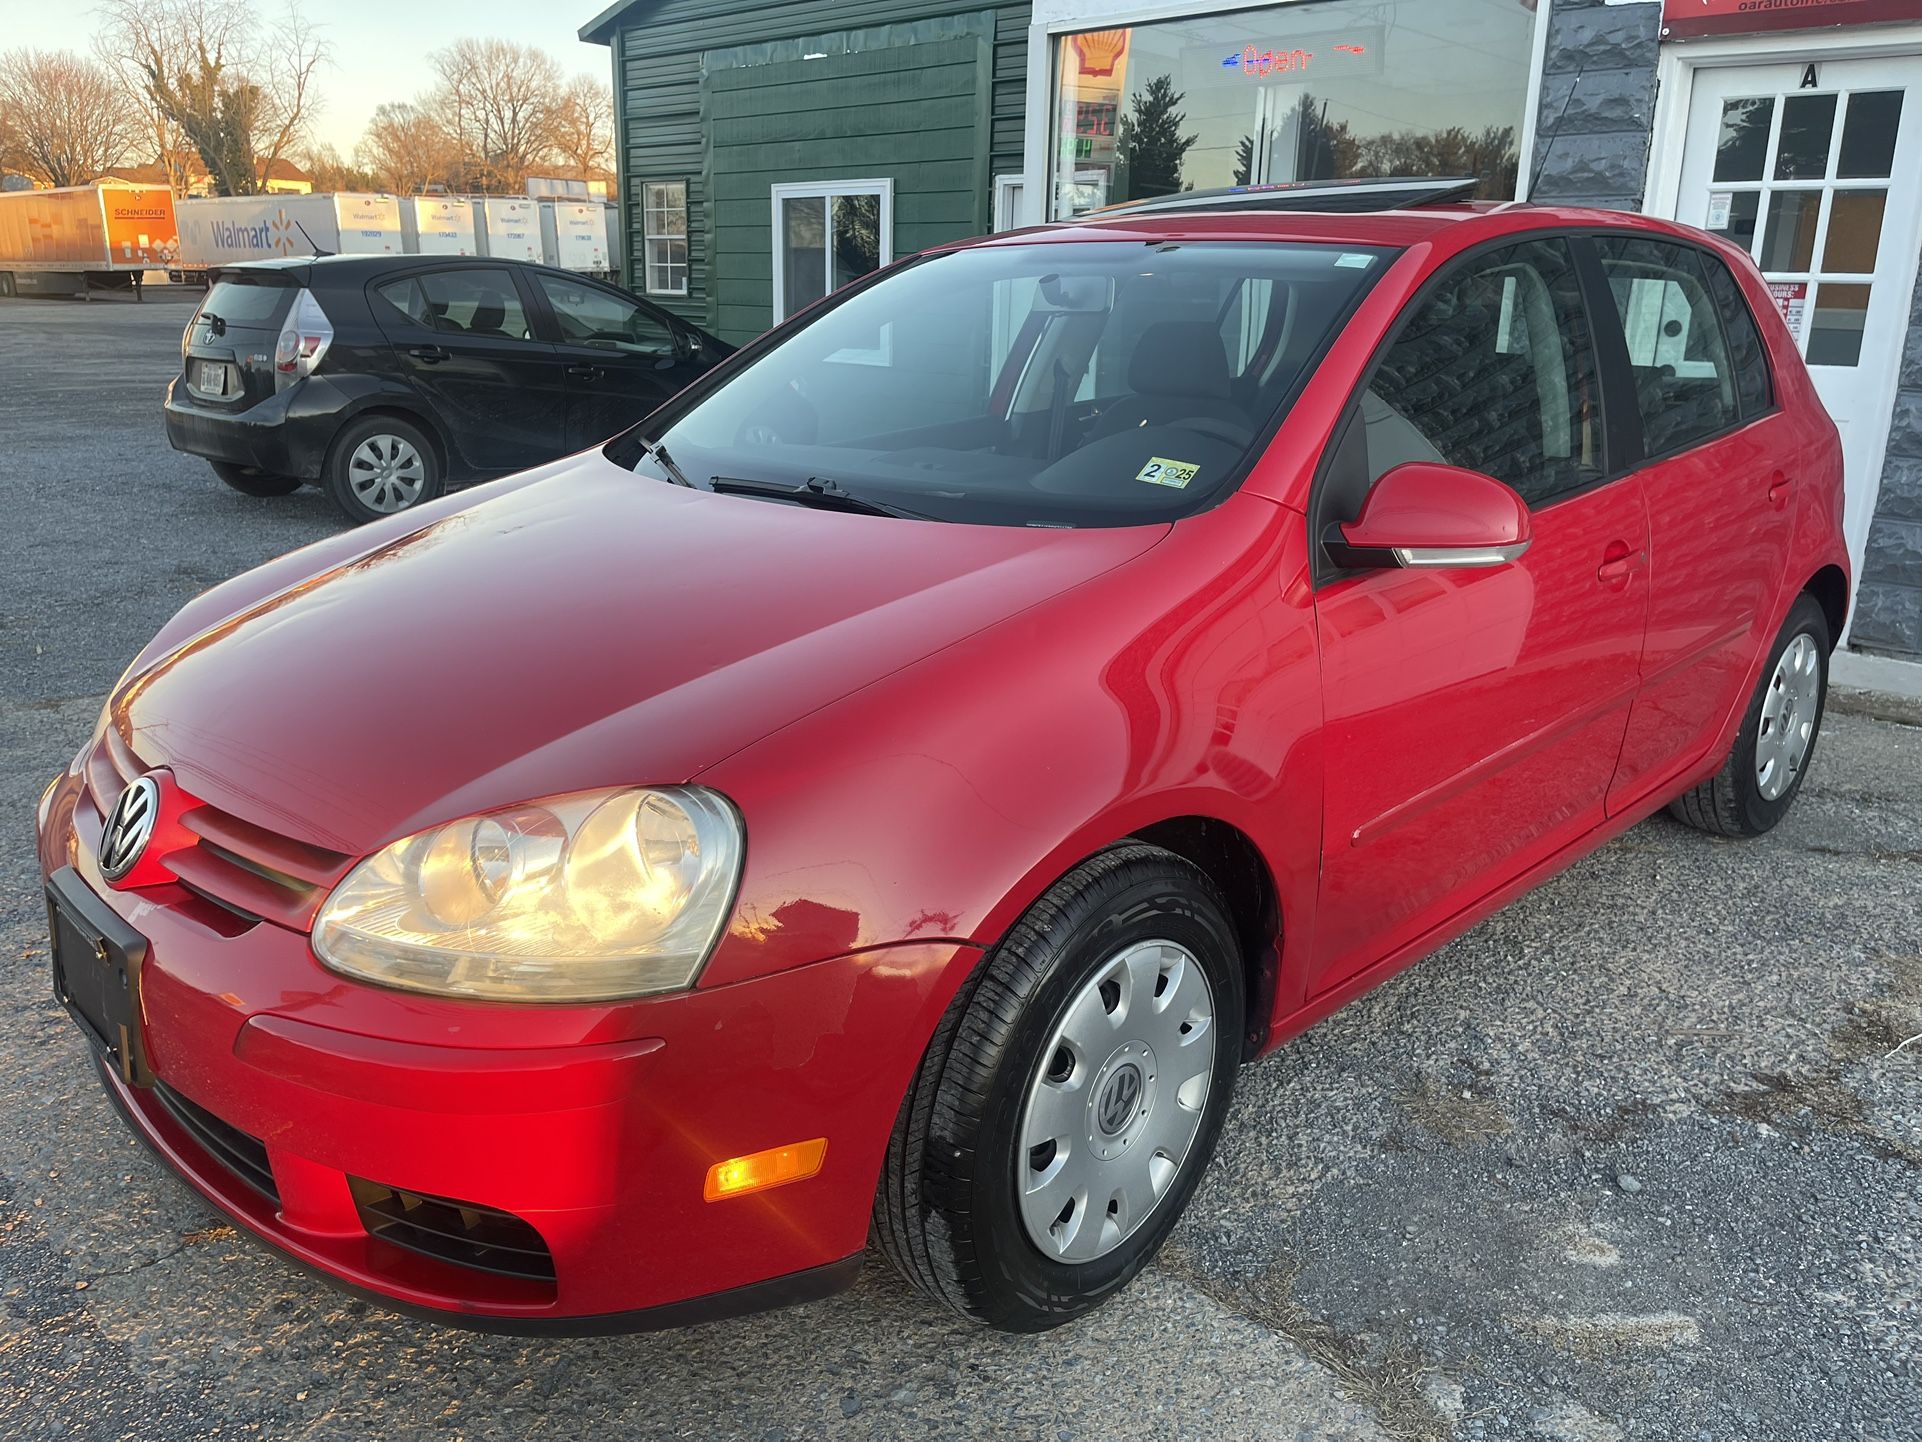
[939,802]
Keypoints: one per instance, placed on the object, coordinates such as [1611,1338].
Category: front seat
[1178,371]
[488,317]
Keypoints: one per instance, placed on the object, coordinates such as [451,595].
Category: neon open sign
[1260,63]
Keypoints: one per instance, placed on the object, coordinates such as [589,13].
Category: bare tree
[584,125]
[240,95]
[405,149]
[67,118]
[330,171]
[498,99]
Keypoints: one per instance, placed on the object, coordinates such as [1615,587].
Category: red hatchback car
[897,787]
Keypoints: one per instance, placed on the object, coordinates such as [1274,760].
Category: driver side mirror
[1422,513]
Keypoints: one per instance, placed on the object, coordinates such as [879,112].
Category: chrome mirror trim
[1464,556]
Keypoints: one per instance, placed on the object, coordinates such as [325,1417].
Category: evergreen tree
[1149,147]
[1245,160]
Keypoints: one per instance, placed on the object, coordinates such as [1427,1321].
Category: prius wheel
[1757,784]
[252,481]
[382,466]
[1071,1096]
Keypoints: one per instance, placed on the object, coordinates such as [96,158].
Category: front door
[1816,168]
[620,358]
[826,234]
[1474,716]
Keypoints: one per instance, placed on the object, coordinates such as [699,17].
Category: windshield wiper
[822,492]
[657,453]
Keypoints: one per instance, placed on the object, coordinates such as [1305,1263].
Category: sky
[380,47]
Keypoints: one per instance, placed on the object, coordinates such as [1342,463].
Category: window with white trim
[664,237]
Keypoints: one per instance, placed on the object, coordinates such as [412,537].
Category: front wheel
[1772,752]
[252,481]
[1071,1097]
[381,466]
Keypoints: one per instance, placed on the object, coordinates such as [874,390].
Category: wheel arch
[1830,587]
[427,424]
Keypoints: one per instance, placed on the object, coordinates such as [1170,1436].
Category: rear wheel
[1071,1097]
[1758,782]
[252,481]
[381,466]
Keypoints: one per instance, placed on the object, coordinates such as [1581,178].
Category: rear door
[229,345]
[621,357]
[1473,717]
[463,338]
[1718,486]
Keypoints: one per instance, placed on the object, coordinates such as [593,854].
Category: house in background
[283,178]
[772,152]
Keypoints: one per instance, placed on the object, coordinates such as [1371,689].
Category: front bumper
[287,434]
[594,1126]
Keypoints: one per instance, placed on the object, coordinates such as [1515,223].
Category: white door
[826,234]
[1817,169]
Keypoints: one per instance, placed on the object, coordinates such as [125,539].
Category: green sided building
[770,153]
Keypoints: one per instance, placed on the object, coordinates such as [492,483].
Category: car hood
[594,628]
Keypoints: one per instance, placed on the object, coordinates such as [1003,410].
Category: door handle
[1618,564]
[1778,490]
[432,354]
[585,373]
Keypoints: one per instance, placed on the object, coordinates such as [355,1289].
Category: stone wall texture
[1888,600]
[1597,104]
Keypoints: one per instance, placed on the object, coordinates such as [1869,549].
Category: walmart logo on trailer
[276,234]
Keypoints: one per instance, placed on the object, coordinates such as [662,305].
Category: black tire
[344,468]
[250,481]
[1732,802]
[947,1213]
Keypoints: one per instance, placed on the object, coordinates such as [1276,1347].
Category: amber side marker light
[737,1176]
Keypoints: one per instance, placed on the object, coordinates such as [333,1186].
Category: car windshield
[1082,383]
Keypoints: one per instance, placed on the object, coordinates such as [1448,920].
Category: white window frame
[808,189]
[649,238]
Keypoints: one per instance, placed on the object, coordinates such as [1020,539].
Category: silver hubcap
[1116,1101]
[386,473]
[1789,710]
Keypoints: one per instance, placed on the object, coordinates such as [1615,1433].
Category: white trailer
[510,228]
[229,228]
[574,235]
[438,225]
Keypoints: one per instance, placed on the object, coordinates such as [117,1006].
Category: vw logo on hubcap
[129,827]
[1119,1100]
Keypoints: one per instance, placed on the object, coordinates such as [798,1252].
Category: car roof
[1470,221]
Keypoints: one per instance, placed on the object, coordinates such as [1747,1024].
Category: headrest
[488,315]
[1179,358]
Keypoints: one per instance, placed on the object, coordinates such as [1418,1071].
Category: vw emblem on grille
[129,827]
[1117,1105]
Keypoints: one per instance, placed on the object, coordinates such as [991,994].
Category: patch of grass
[1457,1115]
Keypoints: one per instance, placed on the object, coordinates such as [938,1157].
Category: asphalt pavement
[1640,1157]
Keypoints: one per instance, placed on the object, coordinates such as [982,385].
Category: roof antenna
[318,252]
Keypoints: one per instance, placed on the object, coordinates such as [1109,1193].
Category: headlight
[582,898]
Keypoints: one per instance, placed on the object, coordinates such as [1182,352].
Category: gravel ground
[1636,1158]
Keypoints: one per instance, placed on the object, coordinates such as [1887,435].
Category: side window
[480,302]
[1684,375]
[1495,371]
[1752,384]
[404,296]
[588,315]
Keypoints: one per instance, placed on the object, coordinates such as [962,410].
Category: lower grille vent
[458,1232]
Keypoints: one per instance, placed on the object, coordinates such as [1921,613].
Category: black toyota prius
[385,379]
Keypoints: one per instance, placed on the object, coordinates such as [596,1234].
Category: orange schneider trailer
[62,242]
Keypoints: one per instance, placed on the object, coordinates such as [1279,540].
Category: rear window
[246,302]
[1072,383]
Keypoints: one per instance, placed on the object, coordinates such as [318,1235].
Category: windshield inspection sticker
[1355,259]
[1160,471]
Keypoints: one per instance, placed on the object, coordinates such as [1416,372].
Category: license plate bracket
[97,960]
